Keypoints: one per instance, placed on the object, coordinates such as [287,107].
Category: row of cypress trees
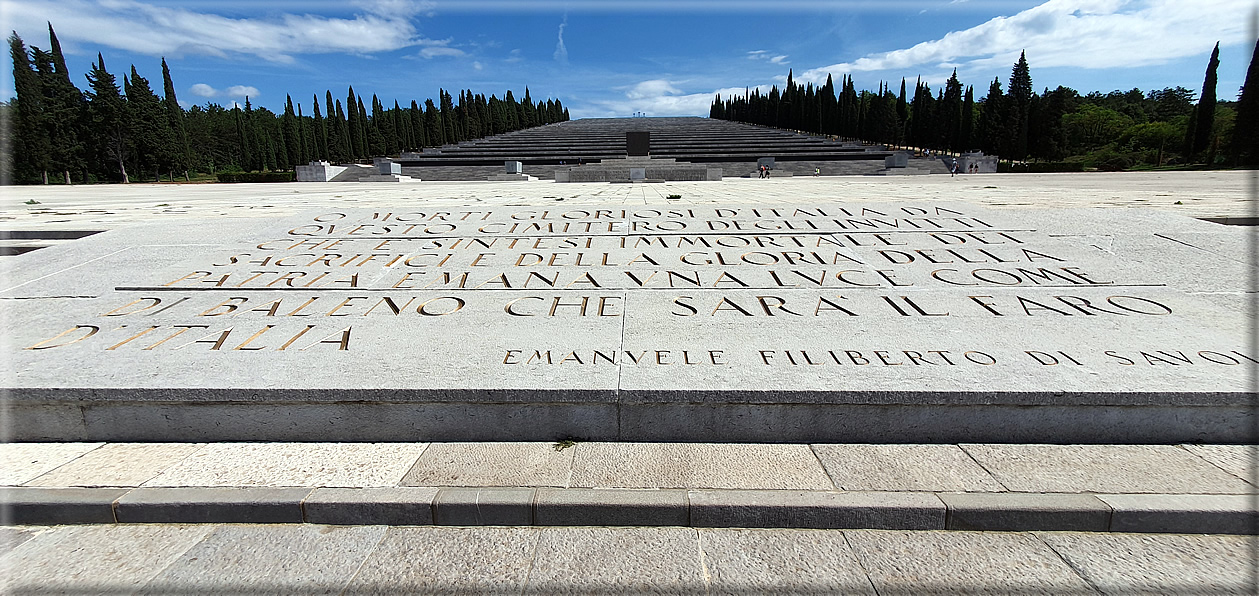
[113,132]
[1017,123]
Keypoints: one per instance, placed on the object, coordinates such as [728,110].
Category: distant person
[954,170]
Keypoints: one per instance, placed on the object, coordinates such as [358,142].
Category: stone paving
[322,559]
[1133,488]
[100,207]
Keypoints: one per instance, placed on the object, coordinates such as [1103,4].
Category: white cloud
[203,90]
[652,88]
[1072,33]
[477,65]
[434,51]
[561,51]
[514,56]
[660,97]
[765,55]
[384,25]
[242,91]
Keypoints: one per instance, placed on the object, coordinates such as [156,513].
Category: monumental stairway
[732,146]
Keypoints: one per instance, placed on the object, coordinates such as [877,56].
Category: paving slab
[11,537]
[1205,514]
[1159,564]
[397,506]
[740,561]
[697,465]
[611,507]
[1026,511]
[815,509]
[117,464]
[448,560]
[491,464]
[1104,469]
[211,505]
[265,559]
[34,505]
[96,559]
[616,560]
[904,468]
[1239,460]
[292,464]
[962,563]
[484,507]
[23,462]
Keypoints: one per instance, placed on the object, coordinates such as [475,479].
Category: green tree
[150,132]
[320,150]
[1019,96]
[292,138]
[992,119]
[950,113]
[1245,147]
[357,150]
[108,121]
[32,150]
[1204,115]
[64,111]
[180,153]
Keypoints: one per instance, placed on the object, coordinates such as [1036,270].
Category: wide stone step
[1003,487]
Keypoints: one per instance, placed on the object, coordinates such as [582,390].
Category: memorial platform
[833,321]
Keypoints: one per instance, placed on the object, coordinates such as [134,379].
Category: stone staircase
[732,146]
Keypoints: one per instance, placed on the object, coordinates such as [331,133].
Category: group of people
[971,168]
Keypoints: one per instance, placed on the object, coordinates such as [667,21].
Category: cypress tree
[902,109]
[433,124]
[65,110]
[150,131]
[304,135]
[320,149]
[338,137]
[1246,128]
[1204,115]
[107,112]
[362,128]
[353,125]
[180,151]
[243,156]
[992,119]
[333,126]
[950,113]
[417,127]
[526,117]
[292,142]
[376,140]
[966,137]
[1019,106]
[448,121]
[31,147]
[401,126]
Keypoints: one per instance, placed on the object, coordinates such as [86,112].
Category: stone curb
[506,506]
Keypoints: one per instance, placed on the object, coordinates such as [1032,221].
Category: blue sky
[614,58]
